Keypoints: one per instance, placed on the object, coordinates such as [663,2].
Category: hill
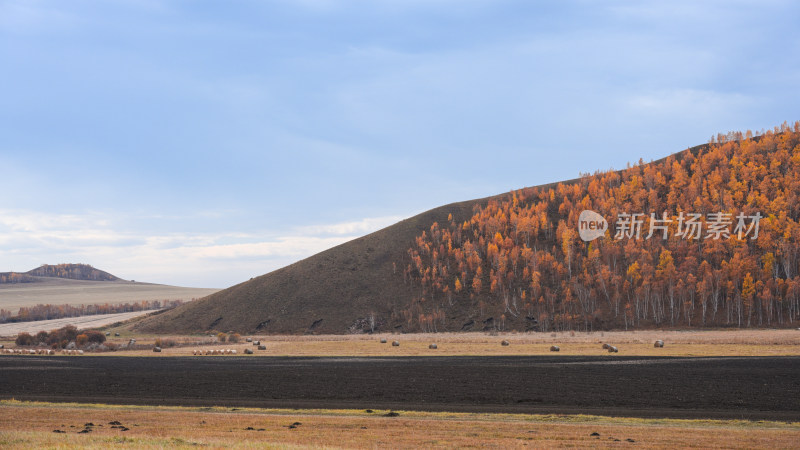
[66,271]
[706,237]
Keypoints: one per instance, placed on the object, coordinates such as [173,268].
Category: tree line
[48,311]
[60,338]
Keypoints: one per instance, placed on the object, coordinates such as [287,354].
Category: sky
[202,143]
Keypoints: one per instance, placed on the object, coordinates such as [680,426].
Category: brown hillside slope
[339,286]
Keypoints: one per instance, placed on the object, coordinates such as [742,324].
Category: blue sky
[201,143]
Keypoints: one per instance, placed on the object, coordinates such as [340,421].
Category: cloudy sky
[201,143]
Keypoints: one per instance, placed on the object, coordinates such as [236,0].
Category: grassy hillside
[515,261]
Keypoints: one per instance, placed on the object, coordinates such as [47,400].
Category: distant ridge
[83,272]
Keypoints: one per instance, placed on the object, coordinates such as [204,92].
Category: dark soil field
[713,387]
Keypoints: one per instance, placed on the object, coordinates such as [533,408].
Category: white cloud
[692,102]
[358,227]
[209,259]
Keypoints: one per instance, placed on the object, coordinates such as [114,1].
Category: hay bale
[262,347]
[612,349]
[383,340]
[606,346]
[157,349]
[505,343]
[433,346]
[256,342]
[555,348]
[248,351]
[659,344]
[395,344]
[248,340]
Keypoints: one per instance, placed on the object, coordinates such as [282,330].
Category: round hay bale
[383,340]
[433,346]
[157,349]
[256,342]
[262,347]
[395,344]
[555,348]
[505,343]
[248,351]
[248,340]
[606,346]
[659,344]
[612,349]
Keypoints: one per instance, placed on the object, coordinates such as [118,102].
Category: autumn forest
[519,263]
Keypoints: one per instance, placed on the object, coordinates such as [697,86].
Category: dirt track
[741,387]
[82,322]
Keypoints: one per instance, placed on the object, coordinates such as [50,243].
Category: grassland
[31,424]
[59,291]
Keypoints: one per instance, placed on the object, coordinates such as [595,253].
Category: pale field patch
[31,424]
[59,291]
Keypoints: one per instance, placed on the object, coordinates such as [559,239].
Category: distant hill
[68,271]
[516,262]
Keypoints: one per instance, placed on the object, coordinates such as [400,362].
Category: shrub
[41,336]
[24,339]
[95,336]
[81,340]
[235,337]
[67,333]
[158,342]
[222,337]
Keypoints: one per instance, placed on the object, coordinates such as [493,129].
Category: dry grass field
[32,425]
[59,291]
[785,342]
